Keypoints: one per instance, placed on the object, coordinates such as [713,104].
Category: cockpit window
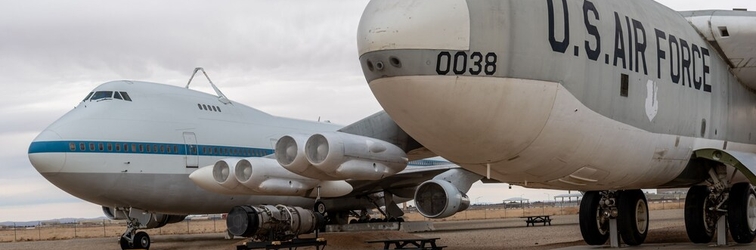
[102,95]
[125,96]
[88,96]
[120,95]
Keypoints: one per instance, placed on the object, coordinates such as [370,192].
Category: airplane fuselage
[139,153]
[564,94]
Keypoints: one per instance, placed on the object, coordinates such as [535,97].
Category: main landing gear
[605,214]
[710,208]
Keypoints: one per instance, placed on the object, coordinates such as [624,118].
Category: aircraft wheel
[700,222]
[742,213]
[320,207]
[124,243]
[142,240]
[632,218]
[594,223]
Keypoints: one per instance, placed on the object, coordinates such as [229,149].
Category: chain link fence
[58,230]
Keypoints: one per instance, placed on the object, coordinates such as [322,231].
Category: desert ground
[477,228]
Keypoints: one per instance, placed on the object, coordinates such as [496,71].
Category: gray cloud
[289,58]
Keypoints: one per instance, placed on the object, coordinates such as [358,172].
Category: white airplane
[607,97]
[138,149]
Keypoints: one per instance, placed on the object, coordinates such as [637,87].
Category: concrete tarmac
[666,231]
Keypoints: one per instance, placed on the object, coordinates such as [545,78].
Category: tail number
[459,62]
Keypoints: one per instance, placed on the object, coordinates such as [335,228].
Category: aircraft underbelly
[166,193]
[531,133]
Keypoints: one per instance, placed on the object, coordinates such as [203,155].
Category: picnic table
[533,219]
[409,243]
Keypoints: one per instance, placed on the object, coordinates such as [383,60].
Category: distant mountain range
[61,221]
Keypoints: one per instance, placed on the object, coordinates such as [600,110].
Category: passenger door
[190,147]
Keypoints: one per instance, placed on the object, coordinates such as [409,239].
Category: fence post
[103,228]
[75,222]
[215,228]
[187,226]
[39,230]
[15,235]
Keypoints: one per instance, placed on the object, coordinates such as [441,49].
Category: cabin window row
[160,148]
[208,107]
[123,147]
[243,152]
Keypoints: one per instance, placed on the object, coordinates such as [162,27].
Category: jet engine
[263,176]
[222,173]
[147,220]
[290,154]
[347,156]
[440,199]
[272,223]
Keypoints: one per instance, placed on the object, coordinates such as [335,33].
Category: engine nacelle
[348,156]
[272,223]
[440,199]
[219,178]
[146,220]
[265,176]
[223,173]
[290,154]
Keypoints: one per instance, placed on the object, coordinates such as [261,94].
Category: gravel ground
[666,228]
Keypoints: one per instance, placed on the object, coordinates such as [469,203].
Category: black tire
[142,240]
[593,225]
[632,216]
[320,208]
[700,223]
[741,214]
[124,243]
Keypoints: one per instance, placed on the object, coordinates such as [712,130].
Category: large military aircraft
[151,154]
[608,97]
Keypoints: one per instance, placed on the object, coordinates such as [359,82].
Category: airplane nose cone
[425,24]
[46,154]
[442,74]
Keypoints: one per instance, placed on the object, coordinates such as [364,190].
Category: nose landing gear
[131,239]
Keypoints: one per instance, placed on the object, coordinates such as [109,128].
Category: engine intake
[291,155]
[440,199]
[272,223]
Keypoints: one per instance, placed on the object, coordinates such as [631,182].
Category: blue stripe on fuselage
[115,147]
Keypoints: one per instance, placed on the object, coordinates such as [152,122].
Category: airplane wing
[402,184]
[731,33]
[381,126]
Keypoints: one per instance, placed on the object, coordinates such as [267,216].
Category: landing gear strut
[608,214]
[131,239]
[712,207]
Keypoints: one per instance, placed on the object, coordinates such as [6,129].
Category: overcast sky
[289,58]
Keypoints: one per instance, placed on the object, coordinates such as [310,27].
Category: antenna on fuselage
[221,97]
